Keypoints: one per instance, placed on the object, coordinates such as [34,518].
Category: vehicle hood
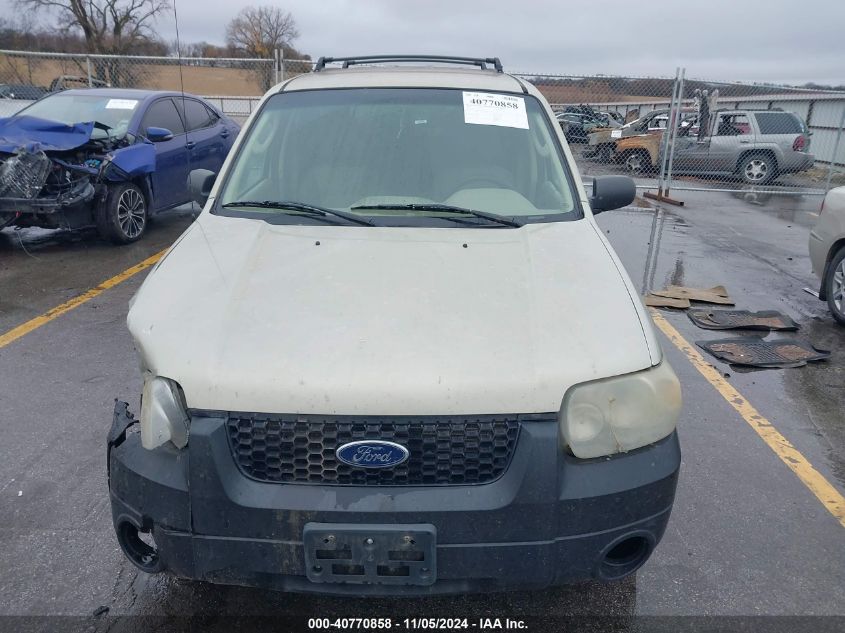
[249,316]
[36,134]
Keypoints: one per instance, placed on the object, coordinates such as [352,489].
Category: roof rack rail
[481,62]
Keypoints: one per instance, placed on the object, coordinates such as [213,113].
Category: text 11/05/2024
[416,624]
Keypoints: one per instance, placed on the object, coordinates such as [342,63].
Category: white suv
[394,354]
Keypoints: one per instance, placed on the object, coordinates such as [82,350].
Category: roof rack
[481,62]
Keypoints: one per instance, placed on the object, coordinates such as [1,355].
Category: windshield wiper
[492,217]
[307,209]
[102,126]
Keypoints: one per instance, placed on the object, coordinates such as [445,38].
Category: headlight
[621,413]
[163,416]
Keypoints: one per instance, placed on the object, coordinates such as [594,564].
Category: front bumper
[49,204]
[819,247]
[794,162]
[550,519]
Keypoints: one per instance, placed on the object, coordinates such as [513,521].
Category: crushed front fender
[130,162]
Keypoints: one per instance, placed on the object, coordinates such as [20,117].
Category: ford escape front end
[377,362]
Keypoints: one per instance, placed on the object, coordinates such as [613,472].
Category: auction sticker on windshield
[486,108]
[121,104]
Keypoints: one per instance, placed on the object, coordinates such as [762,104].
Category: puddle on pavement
[820,388]
[647,235]
[656,251]
[31,240]
[41,268]
[799,210]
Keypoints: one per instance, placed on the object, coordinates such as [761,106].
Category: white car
[827,252]
[395,354]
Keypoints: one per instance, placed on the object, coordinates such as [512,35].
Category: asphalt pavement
[747,537]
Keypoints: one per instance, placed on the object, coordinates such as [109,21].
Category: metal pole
[775,192]
[282,63]
[88,66]
[664,142]
[675,125]
[653,248]
[835,150]
[275,66]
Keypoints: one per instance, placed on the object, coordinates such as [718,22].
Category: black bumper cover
[549,520]
[81,194]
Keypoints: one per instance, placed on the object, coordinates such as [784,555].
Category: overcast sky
[770,40]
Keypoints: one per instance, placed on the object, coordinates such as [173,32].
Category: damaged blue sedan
[108,158]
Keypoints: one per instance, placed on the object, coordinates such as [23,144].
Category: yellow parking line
[830,497]
[42,319]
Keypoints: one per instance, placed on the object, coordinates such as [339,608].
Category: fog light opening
[139,547]
[624,557]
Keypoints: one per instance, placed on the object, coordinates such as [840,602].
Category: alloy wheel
[838,287]
[756,170]
[131,213]
[634,163]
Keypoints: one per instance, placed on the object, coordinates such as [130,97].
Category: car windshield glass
[113,112]
[374,152]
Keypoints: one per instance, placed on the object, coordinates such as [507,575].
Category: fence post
[664,142]
[650,268]
[668,142]
[275,65]
[835,150]
[282,64]
[674,132]
[88,68]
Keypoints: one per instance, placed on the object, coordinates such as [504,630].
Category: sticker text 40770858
[485,108]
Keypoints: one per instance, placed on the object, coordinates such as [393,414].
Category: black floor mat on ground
[710,319]
[756,352]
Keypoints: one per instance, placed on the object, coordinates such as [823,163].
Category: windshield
[374,151]
[74,108]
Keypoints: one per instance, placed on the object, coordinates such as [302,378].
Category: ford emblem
[372,454]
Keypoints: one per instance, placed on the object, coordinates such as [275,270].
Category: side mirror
[612,192]
[159,134]
[200,182]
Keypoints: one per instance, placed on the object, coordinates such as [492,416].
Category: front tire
[637,162]
[834,286]
[605,153]
[122,217]
[757,169]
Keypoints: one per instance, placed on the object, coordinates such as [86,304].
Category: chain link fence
[599,113]
[668,132]
[674,133]
[233,84]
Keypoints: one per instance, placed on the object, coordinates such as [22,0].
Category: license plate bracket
[370,554]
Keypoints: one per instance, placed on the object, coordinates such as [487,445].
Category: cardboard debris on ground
[756,352]
[710,319]
[716,294]
[665,302]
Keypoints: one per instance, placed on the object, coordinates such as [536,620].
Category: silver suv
[396,377]
[756,145]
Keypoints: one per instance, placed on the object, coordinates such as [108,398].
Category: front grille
[442,451]
[23,175]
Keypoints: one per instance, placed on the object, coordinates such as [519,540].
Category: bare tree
[258,31]
[108,26]
[114,27]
